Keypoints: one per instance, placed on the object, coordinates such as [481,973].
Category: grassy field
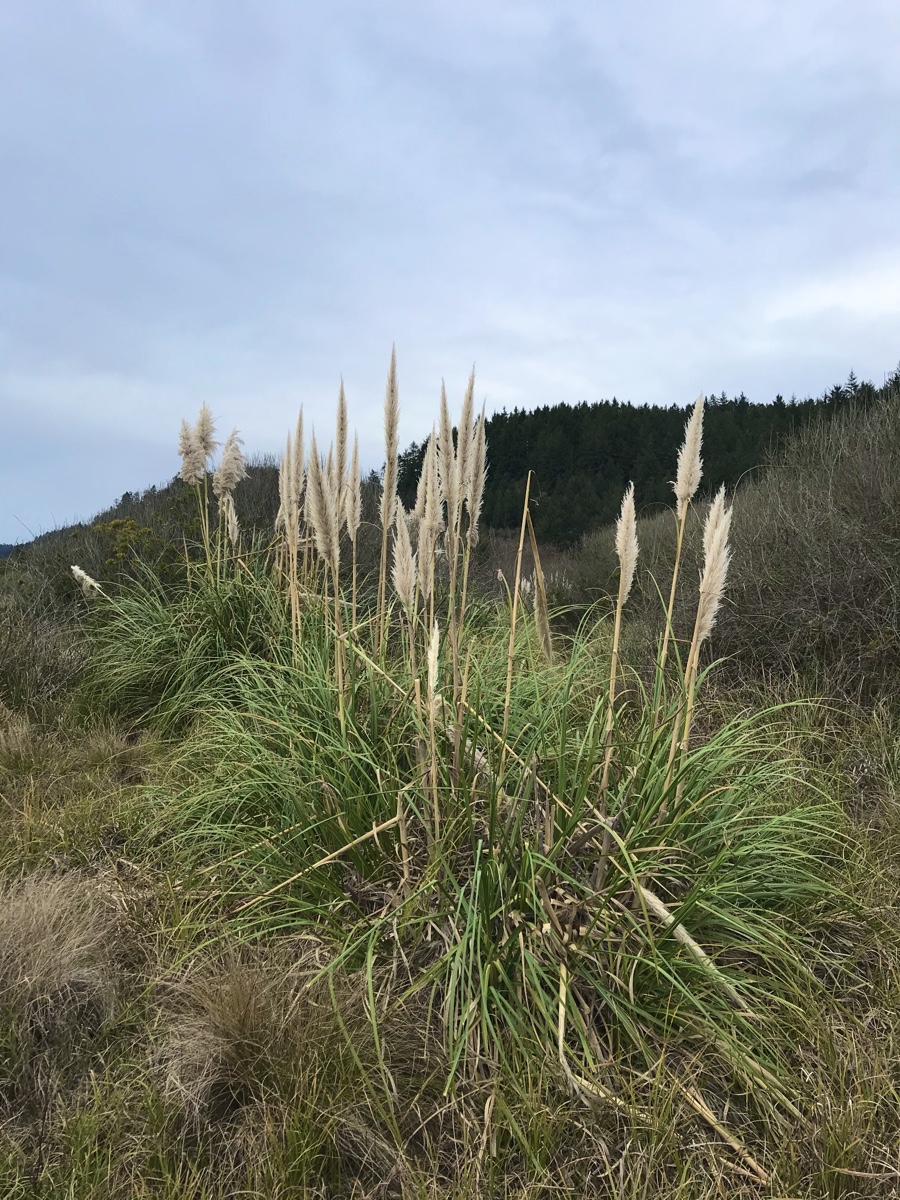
[321,881]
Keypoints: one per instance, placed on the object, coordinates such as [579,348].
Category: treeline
[584,456]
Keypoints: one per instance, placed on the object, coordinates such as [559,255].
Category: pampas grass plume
[322,510]
[446,463]
[717,557]
[90,587]
[353,494]
[340,458]
[193,460]
[391,425]
[229,513]
[422,486]
[464,446]
[690,464]
[626,543]
[232,469]
[404,570]
[297,464]
[205,431]
[477,477]
[284,519]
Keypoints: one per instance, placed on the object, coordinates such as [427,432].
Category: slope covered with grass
[391,889]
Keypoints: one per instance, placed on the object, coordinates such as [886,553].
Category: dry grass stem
[340,456]
[353,515]
[389,485]
[688,476]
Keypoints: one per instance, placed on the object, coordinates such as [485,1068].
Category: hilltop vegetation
[334,866]
[584,456]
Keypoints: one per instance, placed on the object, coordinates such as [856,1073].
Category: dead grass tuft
[57,991]
[56,953]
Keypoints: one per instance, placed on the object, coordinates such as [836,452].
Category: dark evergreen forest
[584,456]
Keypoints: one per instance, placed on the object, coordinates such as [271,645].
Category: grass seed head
[690,464]
[404,570]
[90,587]
[193,459]
[321,506]
[422,486]
[391,425]
[205,432]
[446,464]
[353,493]
[297,464]
[464,440]
[340,458]
[717,556]
[229,513]
[477,478]
[232,469]
[626,543]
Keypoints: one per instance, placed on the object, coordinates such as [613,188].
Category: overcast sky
[239,201]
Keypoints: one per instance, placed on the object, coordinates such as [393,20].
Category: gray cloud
[238,202]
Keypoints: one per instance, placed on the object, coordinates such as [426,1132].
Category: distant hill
[5,551]
[583,456]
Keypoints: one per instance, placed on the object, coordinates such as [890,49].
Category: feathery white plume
[391,425]
[90,587]
[716,559]
[229,513]
[232,469]
[352,496]
[464,445]
[419,509]
[205,431]
[321,510]
[446,464]
[690,464]
[626,542]
[477,477]
[340,458]
[404,570]
[297,464]
[193,460]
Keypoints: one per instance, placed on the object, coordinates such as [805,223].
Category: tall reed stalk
[388,490]
[687,480]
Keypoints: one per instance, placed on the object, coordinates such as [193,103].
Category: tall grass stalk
[689,473]
[388,490]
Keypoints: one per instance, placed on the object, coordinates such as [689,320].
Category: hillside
[322,884]
[583,457]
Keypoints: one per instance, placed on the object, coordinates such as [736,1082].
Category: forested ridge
[583,456]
